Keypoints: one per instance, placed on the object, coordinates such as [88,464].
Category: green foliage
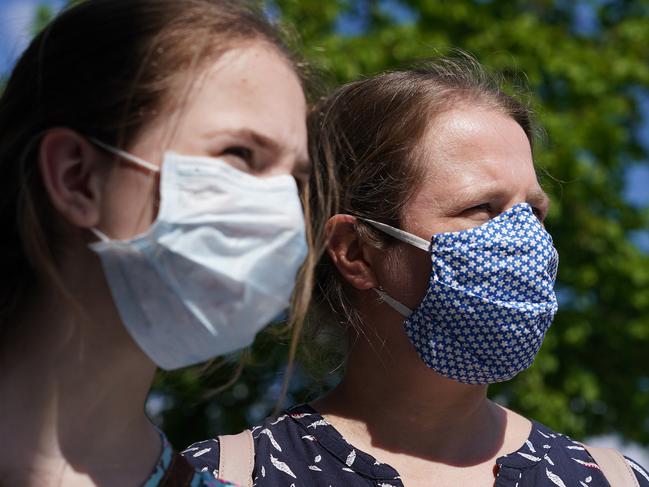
[592,375]
[44,14]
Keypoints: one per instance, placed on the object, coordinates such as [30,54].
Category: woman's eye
[240,157]
[241,152]
[485,207]
[478,213]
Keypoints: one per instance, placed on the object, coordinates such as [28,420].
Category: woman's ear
[71,170]
[349,253]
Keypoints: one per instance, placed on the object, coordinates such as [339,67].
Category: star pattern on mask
[490,299]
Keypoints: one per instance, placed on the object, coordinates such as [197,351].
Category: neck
[391,400]
[73,386]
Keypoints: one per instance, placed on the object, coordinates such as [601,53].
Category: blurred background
[586,63]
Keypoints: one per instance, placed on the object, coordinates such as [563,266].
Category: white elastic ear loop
[406,237]
[393,303]
[100,235]
[129,157]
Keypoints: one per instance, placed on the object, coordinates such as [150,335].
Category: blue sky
[15,20]
[16,17]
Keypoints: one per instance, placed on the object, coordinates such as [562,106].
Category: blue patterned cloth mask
[490,299]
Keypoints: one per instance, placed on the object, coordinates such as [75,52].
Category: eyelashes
[240,157]
[481,207]
[478,210]
[247,159]
[242,152]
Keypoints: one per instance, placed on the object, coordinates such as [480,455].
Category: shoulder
[564,458]
[204,456]
[171,469]
[582,454]
[299,448]
[274,436]
[641,474]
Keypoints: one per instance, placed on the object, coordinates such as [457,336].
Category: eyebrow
[302,163]
[536,195]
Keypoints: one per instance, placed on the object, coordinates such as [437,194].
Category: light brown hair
[365,147]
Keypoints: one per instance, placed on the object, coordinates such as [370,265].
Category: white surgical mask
[217,265]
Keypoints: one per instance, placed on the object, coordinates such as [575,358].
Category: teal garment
[200,479]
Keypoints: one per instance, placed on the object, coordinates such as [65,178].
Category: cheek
[405,274]
[129,203]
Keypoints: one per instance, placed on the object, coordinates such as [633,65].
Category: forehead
[473,147]
[253,88]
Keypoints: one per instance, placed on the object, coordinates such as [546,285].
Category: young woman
[148,156]
[440,272]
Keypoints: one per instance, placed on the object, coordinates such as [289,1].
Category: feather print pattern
[302,449]
[586,464]
[268,433]
[529,457]
[350,458]
[555,479]
[168,466]
[281,466]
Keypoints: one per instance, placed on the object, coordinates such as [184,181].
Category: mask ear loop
[400,308]
[406,237]
[129,157]
[100,235]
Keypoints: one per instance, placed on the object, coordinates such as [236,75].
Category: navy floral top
[301,449]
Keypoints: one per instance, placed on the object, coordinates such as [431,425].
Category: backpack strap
[613,466]
[237,458]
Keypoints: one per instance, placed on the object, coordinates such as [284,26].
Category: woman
[432,165]
[148,156]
